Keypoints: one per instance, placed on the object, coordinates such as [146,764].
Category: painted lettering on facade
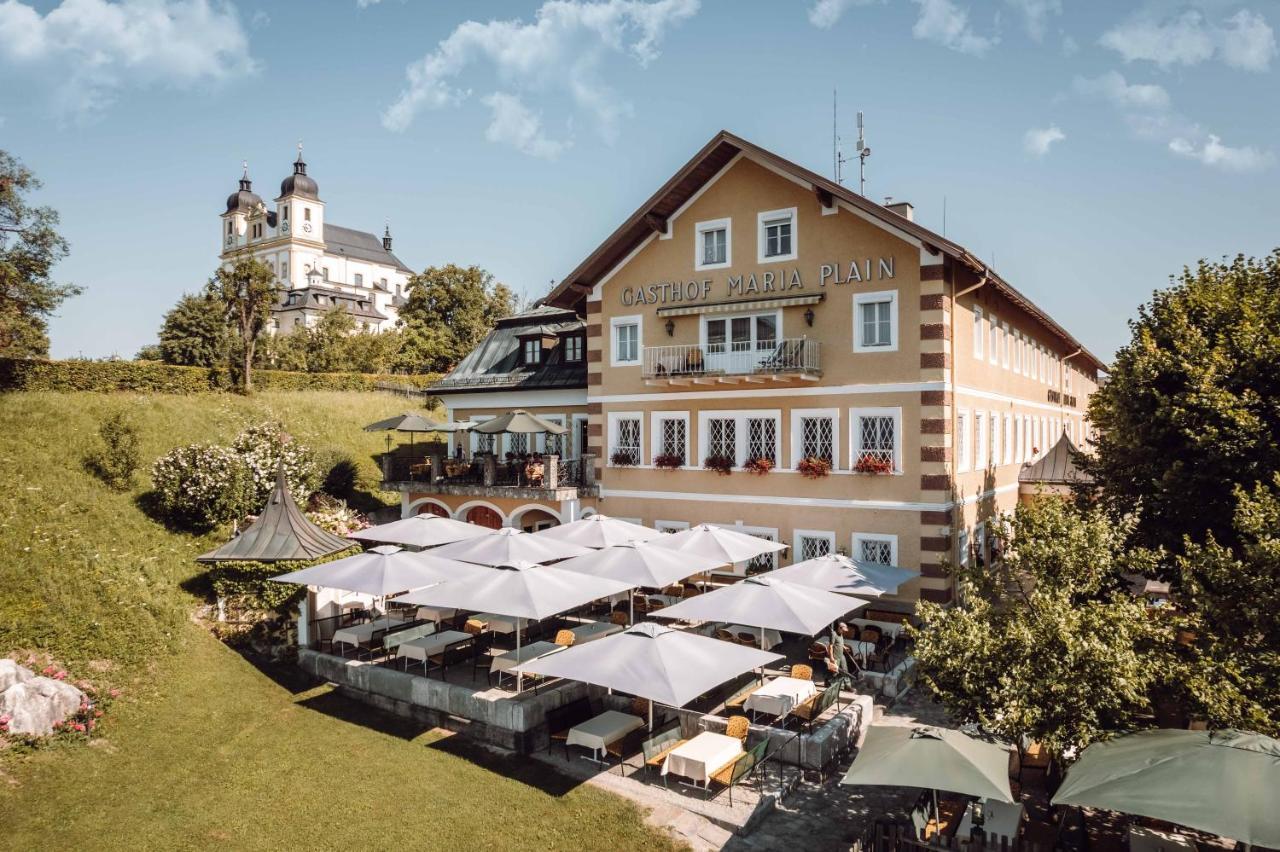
[758,283]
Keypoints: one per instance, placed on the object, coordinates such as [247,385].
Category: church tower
[300,220]
[242,205]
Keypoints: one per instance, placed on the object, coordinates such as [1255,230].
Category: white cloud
[1070,47]
[1037,141]
[562,51]
[259,19]
[1113,88]
[1244,40]
[515,124]
[1036,14]
[92,49]
[824,13]
[944,22]
[1216,155]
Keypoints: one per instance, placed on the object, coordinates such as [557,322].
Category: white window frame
[978,328]
[575,432]
[855,543]
[740,438]
[476,436]
[540,441]
[1008,344]
[980,445]
[994,449]
[773,215]
[734,571]
[670,526]
[797,434]
[656,431]
[993,340]
[613,418]
[797,543]
[964,440]
[1007,449]
[1020,446]
[714,225]
[891,296]
[614,323]
[855,433]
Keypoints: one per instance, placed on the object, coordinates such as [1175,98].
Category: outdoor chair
[561,719]
[751,640]
[657,748]
[737,701]
[565,638]
[738,726]
[729,776]
[619,617]
[812,709]
[479,646]
[726,636]
[625,746]
[392,640]
[787,356]
[800,671]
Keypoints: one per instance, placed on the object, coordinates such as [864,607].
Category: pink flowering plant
[80,726]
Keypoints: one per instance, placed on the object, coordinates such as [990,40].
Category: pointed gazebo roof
[1056,467]
[280,534]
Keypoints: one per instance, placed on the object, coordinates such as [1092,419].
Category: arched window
[483,516]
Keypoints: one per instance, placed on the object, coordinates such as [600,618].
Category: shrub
[201,485]
[668,461]
[341,475]
[624,458]
[264,447]
[759,466]
[722,465]
[868,463]
[333,514]
[813,467]
[116,461]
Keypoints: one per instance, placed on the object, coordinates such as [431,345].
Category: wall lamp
[808,317]
[670,327]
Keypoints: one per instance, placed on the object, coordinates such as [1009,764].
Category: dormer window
[573,346]
[532,351]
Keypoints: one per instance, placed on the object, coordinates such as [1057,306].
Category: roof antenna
[863,153]
[837,159]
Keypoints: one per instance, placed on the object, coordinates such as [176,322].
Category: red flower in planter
[868,463]
[759,466]
[722,465]
[668,461]
[813,467]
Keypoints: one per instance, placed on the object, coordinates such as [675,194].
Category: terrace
[739,362]
[536,476]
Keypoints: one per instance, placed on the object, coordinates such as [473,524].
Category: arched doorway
[433,509]
[536,519]
[483,516]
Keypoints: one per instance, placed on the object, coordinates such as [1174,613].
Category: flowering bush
[759,466]
[814,467]
[868,463]
[263,448]
[335,515]
[668,461]
[201,485]
[722,465]
[624,458]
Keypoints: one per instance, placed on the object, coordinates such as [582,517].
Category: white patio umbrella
[641,565]
[766,603]
[519,422]
[381,571]
[835,572]
[519,590]
[422,531]
[719,543]
[507,546]
[655,662]
[599,531]
[933,759]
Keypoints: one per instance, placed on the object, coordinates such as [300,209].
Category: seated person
[533,471]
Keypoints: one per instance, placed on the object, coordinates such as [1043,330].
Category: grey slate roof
[360,245]
[495,362]
[280,534]
[1056,467]
[305,298]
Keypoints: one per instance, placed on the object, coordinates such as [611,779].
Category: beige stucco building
[751,309]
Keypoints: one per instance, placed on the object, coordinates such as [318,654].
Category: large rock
[35,705]
[11,673]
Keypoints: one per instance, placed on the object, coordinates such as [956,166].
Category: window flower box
[812,467]
[759,466]
[624,458]
[872,464]
[668,461]
[722,465]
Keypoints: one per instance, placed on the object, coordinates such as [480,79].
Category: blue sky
[1090,149]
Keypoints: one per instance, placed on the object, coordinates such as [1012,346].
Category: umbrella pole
[651,717]
[937,815]
[519,674]
[631,607]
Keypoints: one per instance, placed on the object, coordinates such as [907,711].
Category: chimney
[902,208]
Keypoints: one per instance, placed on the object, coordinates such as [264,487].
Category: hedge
[155,377]
[247,586]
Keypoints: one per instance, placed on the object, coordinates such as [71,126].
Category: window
[284,269]
[626,340]
[518,443]
[625,434]
[740,435]
[554,444]
[875,437]
[875,322]
[1041,359]
[993,340]
[879,549]
[979,441]
[777,239]
[738,344]
[817,438]
[1020,448]
[762,438]
[325,270]
[284,213]
[306,214]
[722,438]
[671,434]
[230,228]
[382,282]
[670,526]
[1008,439]
[532,351]
[995,439]
[977,332]
[810,544]
[359,280]
[962,446]
[573,346]
[1008,344]
[713,249]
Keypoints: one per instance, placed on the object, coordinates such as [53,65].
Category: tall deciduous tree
[1190,411]
[246,291]
[195,332]
[448,310]
[29,248]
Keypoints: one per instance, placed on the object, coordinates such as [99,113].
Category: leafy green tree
[149,352]
[195,332]
[117,459]
[328,342]
[1047,646]
[246,292]
[448,310]
[1189,411]
[29,248]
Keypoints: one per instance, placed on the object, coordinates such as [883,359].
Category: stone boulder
[11,673]
[34,705]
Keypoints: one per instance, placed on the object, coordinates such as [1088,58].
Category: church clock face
[284,227]
[230,240]
[306,226]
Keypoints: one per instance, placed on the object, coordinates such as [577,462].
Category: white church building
[319,267]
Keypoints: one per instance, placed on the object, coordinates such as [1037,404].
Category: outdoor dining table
[504,624]
[1143,839]
[771,637]
[424,646]
[598,732]
[508,661]
[1000,819]
[703,756]
[780,696]
[436,613]
[358,634]
[593,630]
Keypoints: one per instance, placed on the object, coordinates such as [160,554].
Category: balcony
[787,360]
[534,477]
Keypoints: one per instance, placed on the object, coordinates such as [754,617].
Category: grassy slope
[205,749]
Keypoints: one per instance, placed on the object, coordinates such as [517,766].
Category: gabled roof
[280,534]
[1056,467]
[360,245]
[494,364]
[706,164]
[302,298]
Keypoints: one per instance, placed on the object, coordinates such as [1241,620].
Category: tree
[1063,656]
[116,461]
[327,345]
[149,352]
[448,310]
[29,249]
[195,332]
[1189,411]
[246,291]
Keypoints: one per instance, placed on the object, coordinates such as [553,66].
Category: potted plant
[722,465]
[668,461]
[868,463]
[623,458]
[813,467]
[759,466]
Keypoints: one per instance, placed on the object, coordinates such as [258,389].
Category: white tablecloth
[1000,819]
[667,600]
[888,628]
[780,696]
[425,646]
[702,757]
[608,727]
[1153,840]
[594,630]
[508,661]
[771,637]
[498,623]
[436,613]
[358,634]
